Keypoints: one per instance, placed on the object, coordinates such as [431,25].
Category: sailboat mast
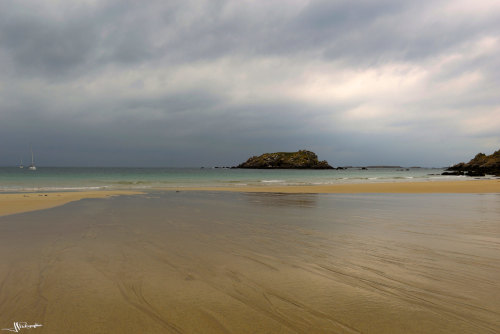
[32,167]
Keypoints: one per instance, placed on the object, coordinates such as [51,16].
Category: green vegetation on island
[481,165]
[286,160]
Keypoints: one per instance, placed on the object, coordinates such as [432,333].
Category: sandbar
[24,202]
[443,187]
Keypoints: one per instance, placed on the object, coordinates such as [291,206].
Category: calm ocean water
[54,178]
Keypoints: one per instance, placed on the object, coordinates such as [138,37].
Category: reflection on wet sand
[281,199]
[238,263]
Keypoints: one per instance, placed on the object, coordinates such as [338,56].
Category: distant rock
[452,173]
[286,160]
[481,165]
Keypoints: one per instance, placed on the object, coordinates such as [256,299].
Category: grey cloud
[37,45]
[114,32]
[200,119]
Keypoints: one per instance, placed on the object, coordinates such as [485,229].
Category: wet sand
[24,202]
[215,262]
[431,187]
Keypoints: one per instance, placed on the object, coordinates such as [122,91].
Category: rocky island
[286,160]
[481,165]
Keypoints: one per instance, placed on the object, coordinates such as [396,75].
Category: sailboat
[32,166]
[21,165]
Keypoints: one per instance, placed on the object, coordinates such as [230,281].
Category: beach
[429,187]
[22,202]
[248,262]
[250,167]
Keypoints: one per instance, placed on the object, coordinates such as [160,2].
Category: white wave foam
[52,188]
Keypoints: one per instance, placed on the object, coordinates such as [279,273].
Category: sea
[14,179]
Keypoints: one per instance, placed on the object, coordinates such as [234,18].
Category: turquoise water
[54,178]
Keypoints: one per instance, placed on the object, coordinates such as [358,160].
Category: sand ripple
[225,263]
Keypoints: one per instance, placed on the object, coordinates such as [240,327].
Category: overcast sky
[210,83]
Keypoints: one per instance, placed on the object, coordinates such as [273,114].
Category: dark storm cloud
[114,32]
[39,45]
[210,81]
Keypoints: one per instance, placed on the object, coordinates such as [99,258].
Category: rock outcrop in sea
[286,160]
[481,165]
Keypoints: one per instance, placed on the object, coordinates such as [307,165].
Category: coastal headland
[480,165]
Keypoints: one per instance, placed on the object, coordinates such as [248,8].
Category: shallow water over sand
[187,262]
[94,178]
